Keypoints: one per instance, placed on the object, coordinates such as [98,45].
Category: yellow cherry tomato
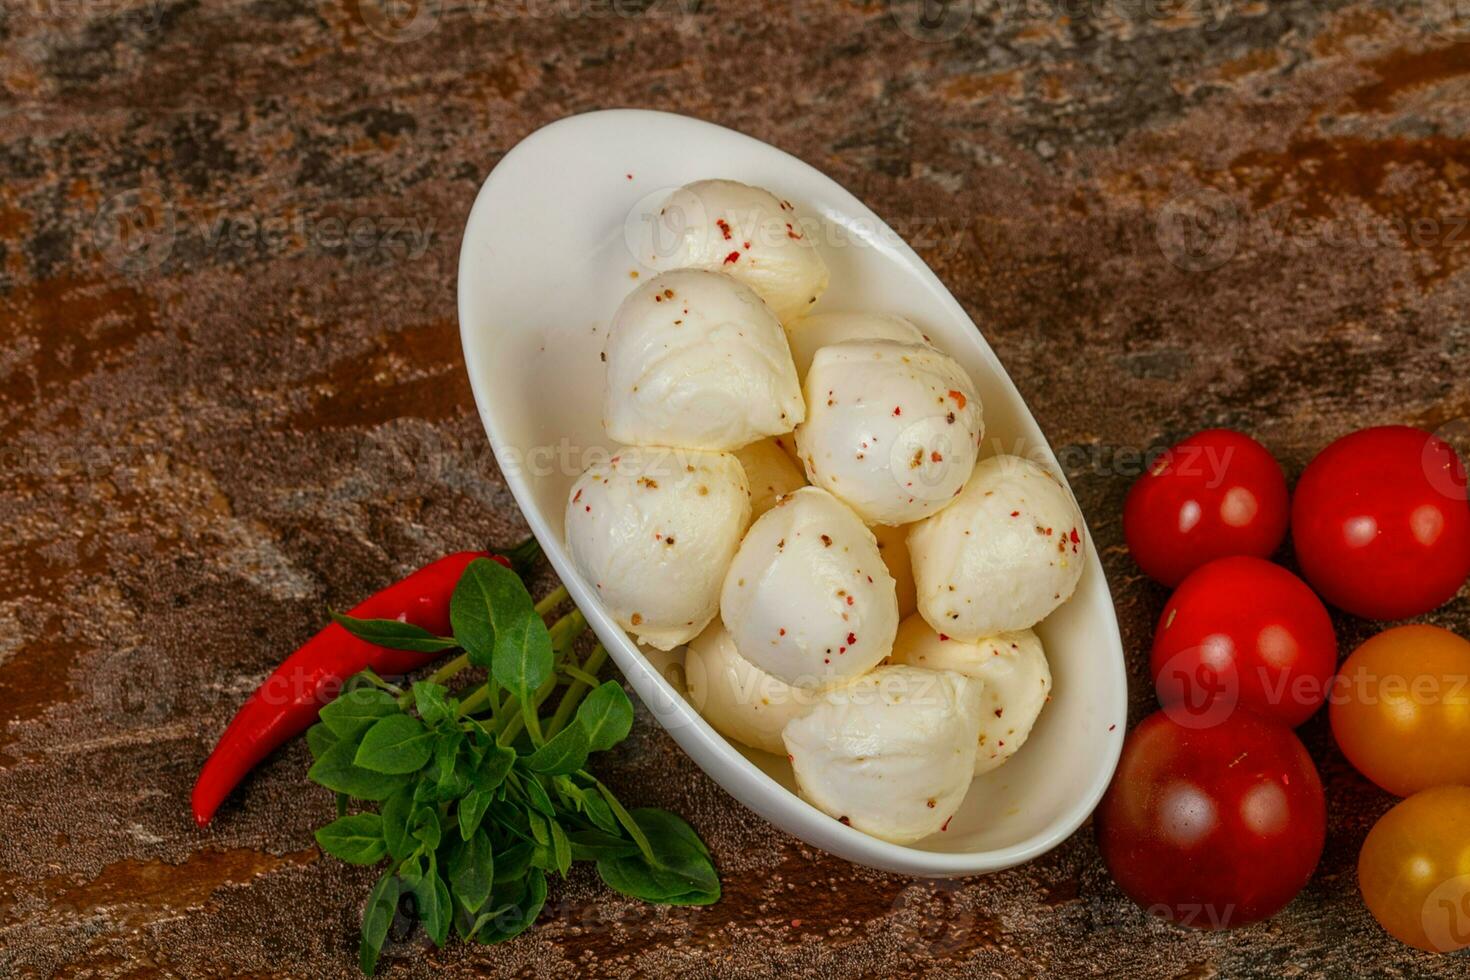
[1414,869]
[1400,709]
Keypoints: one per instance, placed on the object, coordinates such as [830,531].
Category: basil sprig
[481,794]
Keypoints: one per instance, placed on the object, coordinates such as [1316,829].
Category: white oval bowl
[542,267]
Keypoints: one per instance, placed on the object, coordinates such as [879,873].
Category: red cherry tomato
[1217,493]
[1242,631]
[1212,827]
[1381,524]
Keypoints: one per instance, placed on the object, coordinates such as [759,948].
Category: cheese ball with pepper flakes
[1008,551]
[892,753]
[1012,668]
[696,360]
[770,473]
[811,333]
[743,232]
[653,531]
[892,429]
[808,599]
[736,697]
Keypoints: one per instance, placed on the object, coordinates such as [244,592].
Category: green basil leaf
[628,823]
[353,712]
[377,916]
[337,772]
[536,795]
[472,871]
[425,791]
[593,845]
[492,601]
[426,827]
[561,848]
[512,863]
[357,839]
[412,871]
[510,919]
[397,744]
[606,716]
[662,823]
[472,811]
[446,754]
[470,619]
[540,833]
[396,813]
[431,899]
[564,753]
[454,788]
[394,634]
[681,872]
[431,701]
[597,810]
[514,819]
[494,767]
[319,738]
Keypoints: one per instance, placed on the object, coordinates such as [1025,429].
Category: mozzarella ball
[807,598]
[736,697]
[1008,551]
[811,333]
[653,530]
[770,474]
[743,232]
[891,753]
[696,360]
[1011,667]
[891,429]
[893,546]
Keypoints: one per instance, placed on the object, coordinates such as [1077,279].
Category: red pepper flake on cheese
[724,228]
[732,257]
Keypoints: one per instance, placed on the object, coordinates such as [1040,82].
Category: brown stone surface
[223,421]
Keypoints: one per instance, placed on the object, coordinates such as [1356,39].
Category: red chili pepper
[288,702]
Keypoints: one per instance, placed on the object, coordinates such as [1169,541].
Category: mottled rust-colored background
[222,410]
